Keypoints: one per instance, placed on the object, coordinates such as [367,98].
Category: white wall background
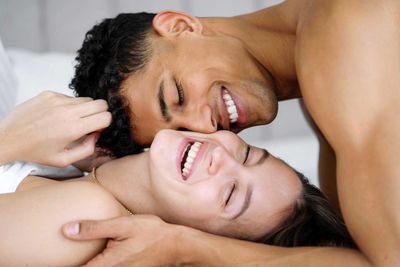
[60,25]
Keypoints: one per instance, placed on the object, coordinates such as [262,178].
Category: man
[341,56]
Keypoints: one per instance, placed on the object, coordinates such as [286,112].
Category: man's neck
[269,35]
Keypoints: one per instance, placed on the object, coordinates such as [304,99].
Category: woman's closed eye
[246,157]
[230,194]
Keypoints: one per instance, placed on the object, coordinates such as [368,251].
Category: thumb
[116,228]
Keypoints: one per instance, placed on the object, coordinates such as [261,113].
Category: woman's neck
[127,179]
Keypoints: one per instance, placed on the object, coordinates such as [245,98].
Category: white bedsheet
[36,72]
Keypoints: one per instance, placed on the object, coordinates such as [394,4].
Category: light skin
[344,56]
[62,129]
[227,188]
[233,190]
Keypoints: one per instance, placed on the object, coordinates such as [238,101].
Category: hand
[99,157]
[138,240]
[53,129]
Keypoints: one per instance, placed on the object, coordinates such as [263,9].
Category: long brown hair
[312,223]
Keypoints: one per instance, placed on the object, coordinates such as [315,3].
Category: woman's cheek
[204,200]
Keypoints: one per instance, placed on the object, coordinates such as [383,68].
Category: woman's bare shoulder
[36,216]
[78,189]
[87,196]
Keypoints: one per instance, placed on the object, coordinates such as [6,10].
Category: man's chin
[236,128]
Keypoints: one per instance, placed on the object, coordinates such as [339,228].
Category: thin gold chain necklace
[93,178]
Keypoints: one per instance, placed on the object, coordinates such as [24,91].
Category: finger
[71,100]
[95,123]
[99,261]
[81,150]
[82,99]
[101,160]
[87,108]
[56,98]
[116,228]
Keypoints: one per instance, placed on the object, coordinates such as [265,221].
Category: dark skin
[344,59]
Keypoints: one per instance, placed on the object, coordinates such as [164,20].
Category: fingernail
[73,229]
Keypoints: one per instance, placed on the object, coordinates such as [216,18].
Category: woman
[215,182]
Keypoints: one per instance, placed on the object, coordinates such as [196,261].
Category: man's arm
[143,240]
[327,173]
[349,71]
[326,165]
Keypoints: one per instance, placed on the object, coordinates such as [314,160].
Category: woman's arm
[30,223]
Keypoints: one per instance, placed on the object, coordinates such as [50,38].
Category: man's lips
[224,115]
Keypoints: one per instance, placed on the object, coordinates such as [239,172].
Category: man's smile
[233,115]
[230,106]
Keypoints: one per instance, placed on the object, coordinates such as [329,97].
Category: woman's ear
[173,23]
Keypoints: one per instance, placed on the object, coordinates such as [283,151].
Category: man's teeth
[187,165]
[230,106]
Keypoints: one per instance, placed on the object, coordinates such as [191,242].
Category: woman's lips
[181,149]
[187,144]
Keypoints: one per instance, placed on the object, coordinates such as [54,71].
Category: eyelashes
[230,194]
[247,154]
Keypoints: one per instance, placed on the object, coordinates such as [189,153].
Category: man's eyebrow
[163,106]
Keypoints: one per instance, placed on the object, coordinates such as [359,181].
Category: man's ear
[173,23]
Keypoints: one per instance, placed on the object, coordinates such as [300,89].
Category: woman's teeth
[188,157]
[230,106]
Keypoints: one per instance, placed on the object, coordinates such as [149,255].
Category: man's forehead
[143,78]
[140,90]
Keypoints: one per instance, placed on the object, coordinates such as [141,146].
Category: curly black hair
[111,51]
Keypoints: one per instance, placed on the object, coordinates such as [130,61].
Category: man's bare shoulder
[346,59]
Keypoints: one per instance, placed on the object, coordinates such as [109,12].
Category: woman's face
[219,184]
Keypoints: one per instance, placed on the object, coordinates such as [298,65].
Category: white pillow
[36,72]
[8,85]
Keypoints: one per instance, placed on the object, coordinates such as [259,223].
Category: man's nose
[199,119]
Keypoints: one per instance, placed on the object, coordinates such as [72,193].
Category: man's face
[199,83]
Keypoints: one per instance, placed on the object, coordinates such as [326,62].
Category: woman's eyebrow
[246,202]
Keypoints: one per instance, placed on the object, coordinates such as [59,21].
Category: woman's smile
[220,184]
[190,153]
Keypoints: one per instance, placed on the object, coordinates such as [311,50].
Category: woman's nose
[221,161]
